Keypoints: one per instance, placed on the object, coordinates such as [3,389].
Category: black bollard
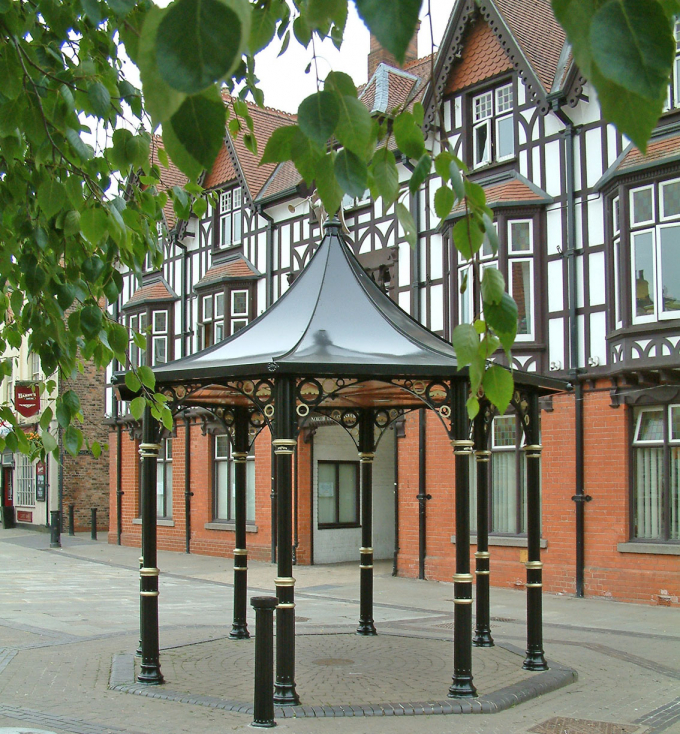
[71,521]
[263,709]
[93,532]
[55,529]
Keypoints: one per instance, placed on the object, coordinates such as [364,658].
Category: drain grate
[562,725]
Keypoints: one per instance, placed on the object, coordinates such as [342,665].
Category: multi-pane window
[655,251]
[159,337]
[225,486]
[218,322]
[508,484]
[155,326]
[231,217]
[519,276]
[164,480]
[338,493]
[493,129]
[25,481]
[616,231]
[656,474]
[239,310]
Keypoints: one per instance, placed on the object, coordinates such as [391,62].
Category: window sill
[517,541]
[231,526]
[161,522]
[660,549]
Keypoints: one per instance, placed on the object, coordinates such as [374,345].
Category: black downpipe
[269,277]
[295,507]
[423,497]
[574,370]
[188,494]
[273,500]
[395,562]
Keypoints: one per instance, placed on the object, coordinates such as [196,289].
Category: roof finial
[333,224]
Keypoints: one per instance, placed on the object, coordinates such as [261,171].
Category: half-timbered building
[589,244]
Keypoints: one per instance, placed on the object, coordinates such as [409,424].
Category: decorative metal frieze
[520,402]
[645,351]
[350,418]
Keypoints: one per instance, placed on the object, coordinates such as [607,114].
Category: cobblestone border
[122,679]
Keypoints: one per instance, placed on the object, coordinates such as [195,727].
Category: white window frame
[165,463]
[228,460]
[646,222]
[638,423]
[530,336]
[231,203]
[658,274]
[486,156]
[521,253]
[663,217]
[25,489]
[235,293]
[160,328]
[653,284]
[160,340]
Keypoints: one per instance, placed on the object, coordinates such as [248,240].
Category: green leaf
[340,83]
[93,267]
[201,41]
[91,8]
[318,116]
[83,151]
[199,126]
[443,201]
[279,146]
[137,407]
[179,154]
[137,150]
[147,377]
[409,136]
[406,221]
[354,125]
[493,285]
[166,418]
[91,321]
[49,441]
[502,318]
[633,46]
[118,338]
[100,99]
[46,418]
[306,155]
[94,225]
[73,440]
[456,180]
[441,164]
[498,387]
[262,29]
[352,173]
[72,223]
[385,175]
[51,197]
[11,73]
[160,100]
[327,184]
[96,447]
[490,232]
[420,173]
[392,23]
[472,406]
[132,382]
[467,237]
[466,343]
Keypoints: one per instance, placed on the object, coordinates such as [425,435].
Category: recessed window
[656,474]
[164,480]
[642,205]
[493,130]
[508,481]
[231,217]
[338,494]
[225,484]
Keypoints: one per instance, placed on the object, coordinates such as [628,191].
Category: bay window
[222,313]
[231,217]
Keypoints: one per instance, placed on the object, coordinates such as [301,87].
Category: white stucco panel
[553,170]
[598,342]
[554,222]
[436,257]
[593,156]
[556,342]
[436,307]
[555,286]
[596,281]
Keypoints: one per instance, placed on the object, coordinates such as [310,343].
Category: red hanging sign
[27,399]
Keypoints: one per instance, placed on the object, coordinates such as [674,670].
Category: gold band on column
[479,572]
[462,601]
[149,450]
[239,457]
[149,572]
[366,457]
[284,581]
[533,586]
[286,605]
[365,550]
[533,564]
[533,451]
[462,578]
[482,554]
[240,552]
[148,593]
[462,447]
[482,456]
[284,445]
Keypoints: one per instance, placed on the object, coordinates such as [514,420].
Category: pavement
[69,622]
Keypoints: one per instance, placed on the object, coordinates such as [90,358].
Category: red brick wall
[86,479]
[609,573]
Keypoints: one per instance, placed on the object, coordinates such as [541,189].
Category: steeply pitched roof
[237,269]
[483,57]
[235,161]
[159,290]
[508,189]
[390,87]
[170,177]
[284,178]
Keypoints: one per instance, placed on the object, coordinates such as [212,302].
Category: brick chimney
[378,55]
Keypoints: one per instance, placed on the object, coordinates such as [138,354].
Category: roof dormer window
[493,132]
[231,217]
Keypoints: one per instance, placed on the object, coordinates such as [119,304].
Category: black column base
[535,661]
[265,725]
[150,674]
[483,639]
[239,632]
[462,688]
[367,629]
[285,695]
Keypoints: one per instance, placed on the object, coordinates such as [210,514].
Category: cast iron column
[482,636]
[462,686]
[239,630]
[366,454]
[148,450]
[535,659]
[284,445]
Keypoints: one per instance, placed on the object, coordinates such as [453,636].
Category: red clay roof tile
[156,291]
[170,177]
[230,270]
[657,150]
